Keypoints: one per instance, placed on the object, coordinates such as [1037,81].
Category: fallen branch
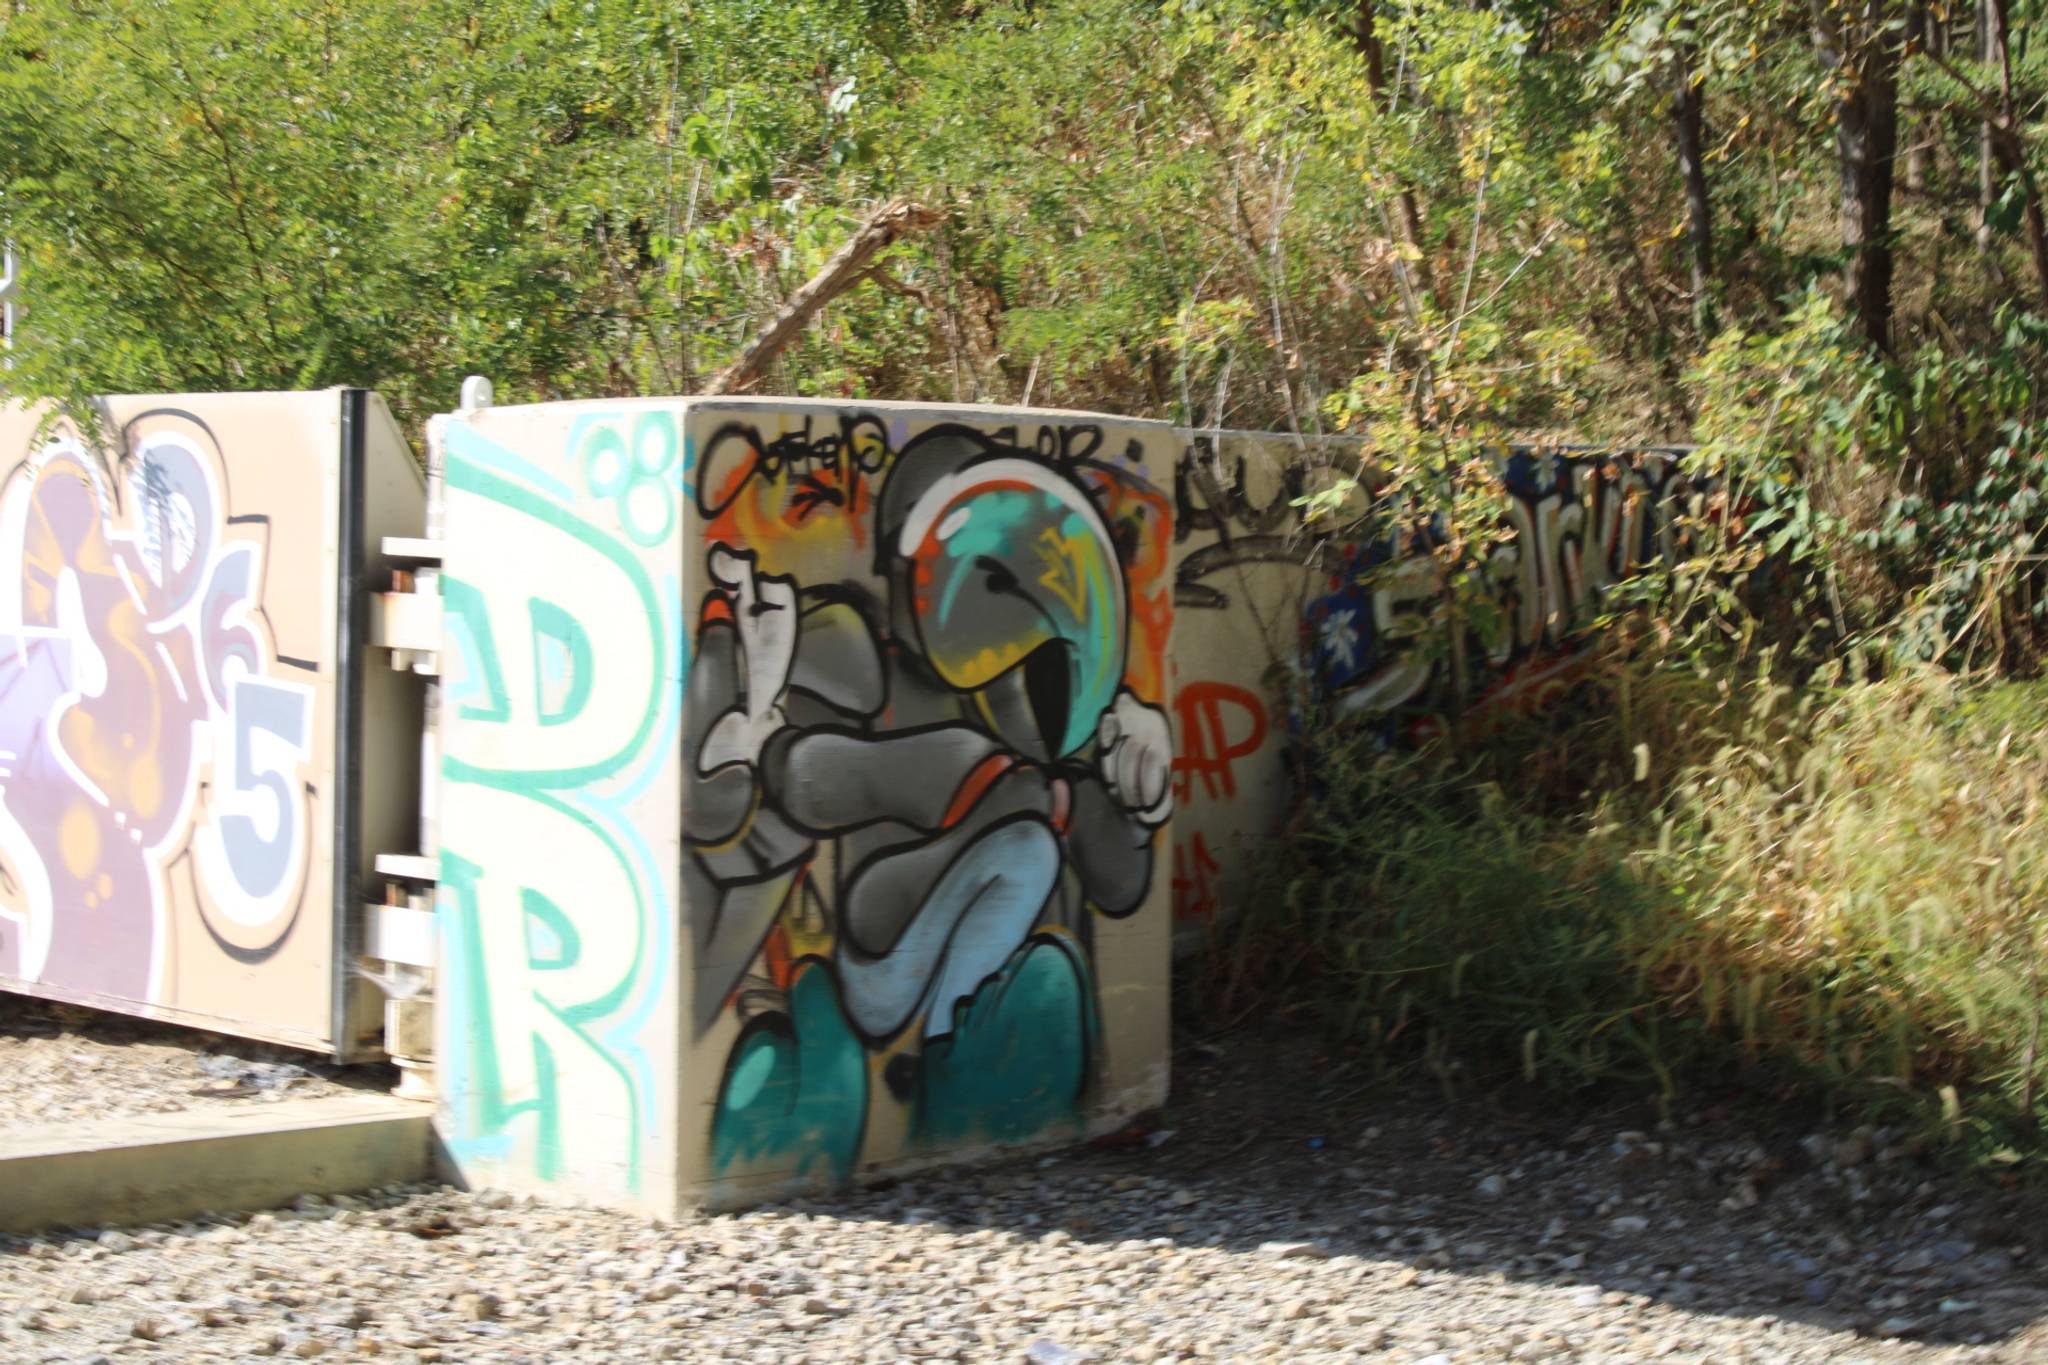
[888,225]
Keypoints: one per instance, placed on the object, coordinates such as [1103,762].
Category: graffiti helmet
[1011,582]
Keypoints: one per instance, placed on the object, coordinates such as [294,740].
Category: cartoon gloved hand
[765,616]
[1135,755]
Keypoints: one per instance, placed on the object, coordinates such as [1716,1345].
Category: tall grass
[1681,879]
[1865,897]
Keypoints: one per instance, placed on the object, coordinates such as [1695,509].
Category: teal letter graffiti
[481,1113]
[551,940]
[554,626]
[469,621]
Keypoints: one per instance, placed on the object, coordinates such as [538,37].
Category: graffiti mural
[818,789]
[927,760]
[1242,580]
[158,749]
[1577,523]
[560,704]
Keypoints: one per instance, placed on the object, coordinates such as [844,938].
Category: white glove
[765,615]
[1135,754]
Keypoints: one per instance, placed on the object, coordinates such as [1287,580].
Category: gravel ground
[60,1062]
[1281,1209]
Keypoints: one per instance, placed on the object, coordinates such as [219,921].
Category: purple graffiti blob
[103,688]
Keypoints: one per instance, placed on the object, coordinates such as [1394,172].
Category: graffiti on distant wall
[155,750]
[1221,724]
[1241,581]
[1221,741]
[1274,615]
[560,713]
[925,753]
[1579,524]
[1231,522]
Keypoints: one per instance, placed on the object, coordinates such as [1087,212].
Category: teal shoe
[1017,1064]
[795,1095]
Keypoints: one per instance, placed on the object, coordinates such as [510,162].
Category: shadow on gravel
[65,1061]
[1272,1146]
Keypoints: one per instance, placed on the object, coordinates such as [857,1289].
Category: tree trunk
[1407,211]
[1987,147]
[1688,114]
[1924,30]
[1857,40]
[2012,153]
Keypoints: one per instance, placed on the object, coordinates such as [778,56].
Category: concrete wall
[173,691]
[808,768]
[805,787]
[1243,575]
[1275,624]
[560,798]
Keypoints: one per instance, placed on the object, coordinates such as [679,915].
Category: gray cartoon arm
[1111,848]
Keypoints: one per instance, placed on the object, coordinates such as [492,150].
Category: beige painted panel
[167,709]
[558,799]
[927,750]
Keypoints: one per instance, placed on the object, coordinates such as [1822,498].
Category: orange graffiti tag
[1195,876]
[1207,749]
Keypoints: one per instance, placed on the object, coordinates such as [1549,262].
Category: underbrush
[1676,881]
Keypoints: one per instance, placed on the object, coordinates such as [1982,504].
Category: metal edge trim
[352,628]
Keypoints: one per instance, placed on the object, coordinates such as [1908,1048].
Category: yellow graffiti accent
[809,928]
[1064,569]
[79,838]
[978,669]
[146,787]
[825,545]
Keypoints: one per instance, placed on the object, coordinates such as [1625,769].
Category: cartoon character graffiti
[144,747]
[907,805]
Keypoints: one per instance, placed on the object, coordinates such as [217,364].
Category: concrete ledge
[163,1166]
